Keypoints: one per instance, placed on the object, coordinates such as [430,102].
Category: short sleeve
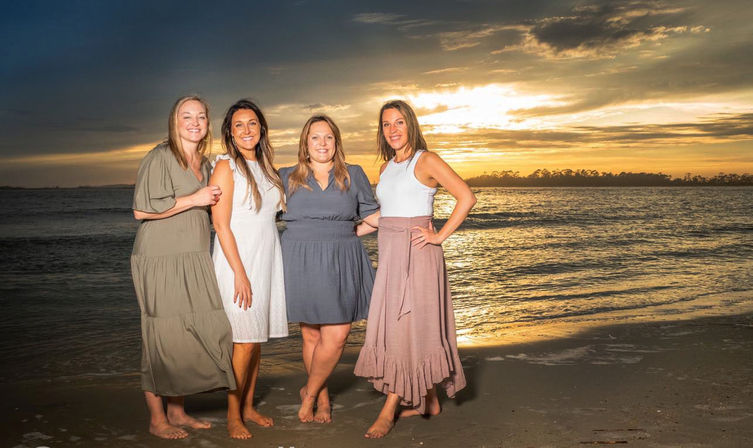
[154,192]
[284,176]
[367,205]
[224,157]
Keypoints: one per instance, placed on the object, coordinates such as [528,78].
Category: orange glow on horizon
[480,129]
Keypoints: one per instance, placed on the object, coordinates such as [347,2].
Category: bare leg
[432,405]
[176,415]
[311,338]
[158,424]
[324,357]
[241,357]
[385,420]
[323,412]
[249,412]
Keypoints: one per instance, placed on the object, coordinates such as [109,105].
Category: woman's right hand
[242,294]
[208,195]
[364,228]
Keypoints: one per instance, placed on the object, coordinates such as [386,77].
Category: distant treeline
[593,178]
[563,178]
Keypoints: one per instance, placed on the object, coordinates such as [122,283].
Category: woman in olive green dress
[186,337]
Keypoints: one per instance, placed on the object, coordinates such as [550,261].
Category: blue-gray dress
[328,275]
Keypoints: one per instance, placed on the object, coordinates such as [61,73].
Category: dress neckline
[415,153]
[191,173]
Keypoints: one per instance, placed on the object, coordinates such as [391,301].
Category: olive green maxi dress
[186,336]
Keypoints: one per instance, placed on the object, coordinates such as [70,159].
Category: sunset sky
[86,86]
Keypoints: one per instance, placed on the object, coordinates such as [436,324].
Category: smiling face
[245,129]
[320,143]
[192,122]
[395,129]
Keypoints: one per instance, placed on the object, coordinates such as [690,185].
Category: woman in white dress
[247,256]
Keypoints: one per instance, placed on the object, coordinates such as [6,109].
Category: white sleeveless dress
[258,244]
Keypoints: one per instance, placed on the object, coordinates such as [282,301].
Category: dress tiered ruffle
[186,337]
[410,341]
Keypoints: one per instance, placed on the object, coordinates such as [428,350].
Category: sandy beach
[662,384]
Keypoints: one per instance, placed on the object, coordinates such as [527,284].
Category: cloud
[297,112]
[327,108]
[402,23]
[377,17]
[711,129]
[446,70]
[633,73]
[716,127]
[129,154]
[591,30]
[603,30]
[469,38]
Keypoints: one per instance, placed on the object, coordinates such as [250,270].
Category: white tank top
[400,194]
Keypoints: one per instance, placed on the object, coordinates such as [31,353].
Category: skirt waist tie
[399,232]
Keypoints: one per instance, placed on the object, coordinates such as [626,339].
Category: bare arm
[369,224]
[222,211]
[432,170]
[208,195]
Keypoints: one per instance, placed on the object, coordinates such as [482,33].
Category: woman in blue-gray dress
[328,275]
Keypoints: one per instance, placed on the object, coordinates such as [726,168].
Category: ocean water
[525,259]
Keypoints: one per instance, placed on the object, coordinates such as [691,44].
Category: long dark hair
[415,137]
[263,151]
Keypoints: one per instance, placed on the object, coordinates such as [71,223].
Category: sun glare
[489,107]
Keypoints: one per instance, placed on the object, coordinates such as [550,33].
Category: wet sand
[660,384]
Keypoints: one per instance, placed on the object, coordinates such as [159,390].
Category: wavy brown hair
[415,137]
[263,151]
[173,138]
[302,171]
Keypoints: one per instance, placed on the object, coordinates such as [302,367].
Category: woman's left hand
[425,236]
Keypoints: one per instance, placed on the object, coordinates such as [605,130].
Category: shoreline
[653,384]
[131,186]
[706,306]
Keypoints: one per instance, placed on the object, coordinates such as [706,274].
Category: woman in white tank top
[410,344]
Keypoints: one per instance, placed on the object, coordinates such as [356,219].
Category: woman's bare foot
[381,427]
[165,430]
[432,406]
[238,430]
[323,413]
[306,412]
[251,414]
[183,419]
[432,409]
[409,413]
[323,408]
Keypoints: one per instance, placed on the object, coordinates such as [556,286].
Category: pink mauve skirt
[410,335]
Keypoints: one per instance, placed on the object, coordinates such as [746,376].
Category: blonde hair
[173,138]
[302,171]
[263,151]
[415,137]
